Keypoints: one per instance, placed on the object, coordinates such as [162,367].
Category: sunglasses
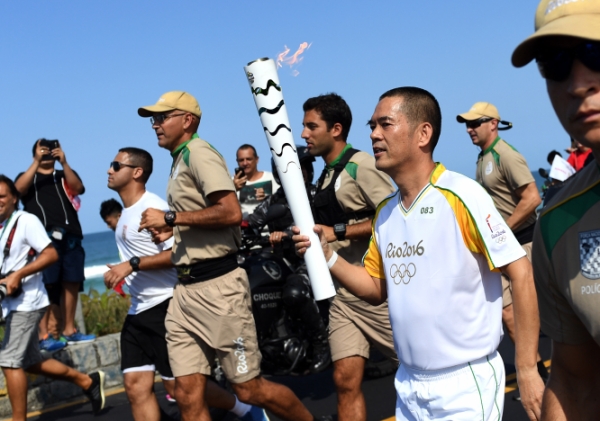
[473,124]
[116,166]
[555,64]
[160,118]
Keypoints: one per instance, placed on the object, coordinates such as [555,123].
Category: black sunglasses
[473,124]
[160,118]
[116,166]
[555,64]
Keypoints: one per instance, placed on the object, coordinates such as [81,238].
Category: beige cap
[573,18]
[477,111]
[174,100]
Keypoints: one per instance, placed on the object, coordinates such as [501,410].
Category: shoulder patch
[558,219]
[352,169]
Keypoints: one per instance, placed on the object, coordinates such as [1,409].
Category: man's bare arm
[26,179]
[353,232]
[74,183]
[527,328]
[46,258]
[355,279]
[225,211]
[117,272]
[573,389]
[529,200]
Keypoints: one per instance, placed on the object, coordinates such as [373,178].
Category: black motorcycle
[284,337]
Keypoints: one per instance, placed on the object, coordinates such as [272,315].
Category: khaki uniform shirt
[501,170]
[566,260]
[360,186]
[197,171]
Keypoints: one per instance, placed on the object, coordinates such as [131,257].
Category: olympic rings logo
[501,239]
[402,273]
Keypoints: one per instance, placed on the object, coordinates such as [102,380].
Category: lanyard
[7,223]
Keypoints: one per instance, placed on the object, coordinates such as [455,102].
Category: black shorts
[143,342]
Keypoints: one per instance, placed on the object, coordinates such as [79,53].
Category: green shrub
[104,313]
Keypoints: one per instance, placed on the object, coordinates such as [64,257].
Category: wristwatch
[340,231]
[170,218]
[135,263]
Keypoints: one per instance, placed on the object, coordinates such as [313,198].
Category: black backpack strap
[30,254]
[337,168]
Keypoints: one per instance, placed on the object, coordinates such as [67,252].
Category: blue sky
[78,70]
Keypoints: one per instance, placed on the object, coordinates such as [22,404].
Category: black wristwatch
[340,231]
[135,263]
[170,218]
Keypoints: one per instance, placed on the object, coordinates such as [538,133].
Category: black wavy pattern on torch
[282,148]
[271,111]
[265,91]
[281,126]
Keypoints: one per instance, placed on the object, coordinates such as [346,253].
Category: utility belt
[206,269]
[525,235]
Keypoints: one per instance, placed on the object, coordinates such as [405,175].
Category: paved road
[317,393]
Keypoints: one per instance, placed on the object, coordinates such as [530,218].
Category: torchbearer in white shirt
[437,248]
[150,277]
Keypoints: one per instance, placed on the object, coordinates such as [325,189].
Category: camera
[50,144]
[239,170]
[4,291]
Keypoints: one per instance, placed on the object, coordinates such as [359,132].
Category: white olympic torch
[264,82]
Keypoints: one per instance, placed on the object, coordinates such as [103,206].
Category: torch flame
[295,59]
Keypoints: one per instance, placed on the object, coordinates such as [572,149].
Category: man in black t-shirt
[51,195]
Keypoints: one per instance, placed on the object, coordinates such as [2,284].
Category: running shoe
[255,414]
[51,345]
[95,392]
[170,398]
[78,338]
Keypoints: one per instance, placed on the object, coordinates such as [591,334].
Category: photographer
[51,195]
[24,302]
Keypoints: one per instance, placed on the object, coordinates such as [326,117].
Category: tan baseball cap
[477,111]
[572,18]
[174,100]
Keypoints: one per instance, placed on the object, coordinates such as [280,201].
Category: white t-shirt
[247,194]
[147,287]
[30,233]
[440,260]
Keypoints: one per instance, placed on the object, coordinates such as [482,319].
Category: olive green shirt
[501,170]
[566,260]
[197,171]
[360,186]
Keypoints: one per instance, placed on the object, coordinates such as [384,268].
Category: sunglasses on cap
[473,124]
[556,63]
[116,166]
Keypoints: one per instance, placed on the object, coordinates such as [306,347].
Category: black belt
[206,269]
[525,235]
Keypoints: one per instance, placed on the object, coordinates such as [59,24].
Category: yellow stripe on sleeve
[468,228]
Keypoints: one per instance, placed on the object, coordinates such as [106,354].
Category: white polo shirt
[147,287]
[440,260]
[30,233]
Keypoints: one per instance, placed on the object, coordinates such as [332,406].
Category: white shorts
[469,392]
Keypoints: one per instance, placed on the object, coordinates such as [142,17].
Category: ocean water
[100,249]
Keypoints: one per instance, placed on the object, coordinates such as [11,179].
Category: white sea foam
[95,271]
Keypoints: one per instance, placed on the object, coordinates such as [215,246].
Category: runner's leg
[16,384]
[139,386]
[189,394]
[347,376]
[274,397]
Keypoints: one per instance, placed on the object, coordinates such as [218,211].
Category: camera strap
[11,235]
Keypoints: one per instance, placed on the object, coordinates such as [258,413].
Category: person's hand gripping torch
[264,83]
